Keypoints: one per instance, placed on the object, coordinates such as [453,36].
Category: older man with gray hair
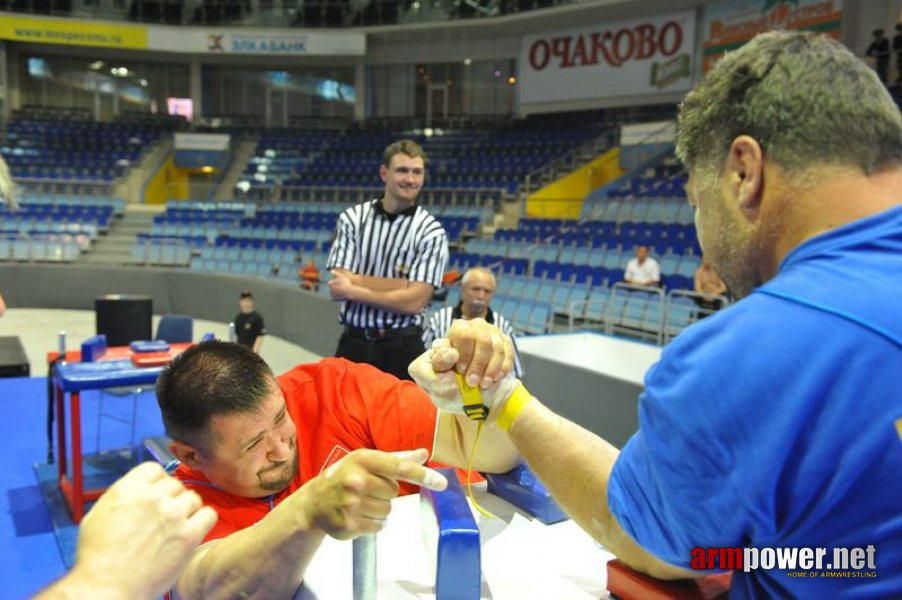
[476,291]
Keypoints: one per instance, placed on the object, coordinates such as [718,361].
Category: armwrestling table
[115,369]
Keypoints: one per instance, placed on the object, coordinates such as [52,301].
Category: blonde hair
[7,187]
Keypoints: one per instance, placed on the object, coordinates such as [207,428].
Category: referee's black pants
[391,355]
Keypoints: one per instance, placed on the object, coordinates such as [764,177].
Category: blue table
[72,379]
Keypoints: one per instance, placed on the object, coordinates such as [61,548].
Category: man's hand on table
[353,496]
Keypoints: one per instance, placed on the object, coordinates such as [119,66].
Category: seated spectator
[643,269]
[708,282]
[476,291]
[309,276]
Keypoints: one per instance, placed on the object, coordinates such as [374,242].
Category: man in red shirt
[317,451]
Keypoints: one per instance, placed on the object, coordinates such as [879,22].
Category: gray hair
[467,276]
[805,98]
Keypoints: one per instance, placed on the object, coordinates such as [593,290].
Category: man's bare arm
[410,300]
[269,559]
[575,465]
[454,443]
[371,282]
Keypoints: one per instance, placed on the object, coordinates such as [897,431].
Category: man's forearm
[266,560]
[495,453]
[575,465]
[258,344]
[381,284]
[377,284]
[410,301]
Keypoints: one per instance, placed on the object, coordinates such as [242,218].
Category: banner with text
[270,42]
[731,23]
[46,30]
[195,150]
[628,58]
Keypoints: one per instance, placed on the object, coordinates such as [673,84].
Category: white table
[521,558]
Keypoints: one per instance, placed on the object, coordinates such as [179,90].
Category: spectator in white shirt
[643,269]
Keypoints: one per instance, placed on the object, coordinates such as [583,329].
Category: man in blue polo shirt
[773,424]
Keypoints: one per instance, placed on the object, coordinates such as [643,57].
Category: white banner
[628,58]
[655,132]
[202,141]
[291,42]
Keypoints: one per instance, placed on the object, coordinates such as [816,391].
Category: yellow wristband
[514,406]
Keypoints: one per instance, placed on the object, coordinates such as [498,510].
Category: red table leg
[73,490]
[78,481]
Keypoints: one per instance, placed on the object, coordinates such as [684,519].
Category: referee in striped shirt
[476,290]
[388,257]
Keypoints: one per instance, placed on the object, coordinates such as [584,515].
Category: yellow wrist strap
[472,399]
[476,411]
[514,406]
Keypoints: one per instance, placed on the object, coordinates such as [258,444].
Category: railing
[569,161]
[678,310]
[680,316]
[628,322]
[463,197]
[66,186]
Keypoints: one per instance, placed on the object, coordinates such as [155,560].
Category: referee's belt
[375,334]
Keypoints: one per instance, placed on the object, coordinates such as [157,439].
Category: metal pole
[365,567]
[51,393]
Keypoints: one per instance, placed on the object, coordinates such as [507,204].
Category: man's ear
[186,453]
[383,173]
[745,174]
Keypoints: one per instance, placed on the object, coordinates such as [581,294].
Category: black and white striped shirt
[409,245]
[440,322]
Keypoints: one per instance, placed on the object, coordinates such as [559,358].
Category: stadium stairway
[240,156]
[115,247]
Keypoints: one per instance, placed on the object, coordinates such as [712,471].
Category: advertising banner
[627,58]
[731,23]
[45,30]
[270,42]
[202,141]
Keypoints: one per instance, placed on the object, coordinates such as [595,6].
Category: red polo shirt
[337,406]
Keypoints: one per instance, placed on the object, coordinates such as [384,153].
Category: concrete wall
[296,315]
[591,379]
[604,405]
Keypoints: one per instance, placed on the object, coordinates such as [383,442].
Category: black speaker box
[13,361]
[124,318]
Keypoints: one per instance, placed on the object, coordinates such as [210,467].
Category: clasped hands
[353,496]
[479,352]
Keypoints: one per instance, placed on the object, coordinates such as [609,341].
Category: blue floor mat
[100,470]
